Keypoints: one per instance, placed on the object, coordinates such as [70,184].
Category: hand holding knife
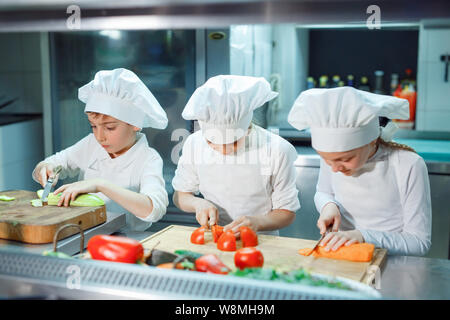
[49,184]
[321,238]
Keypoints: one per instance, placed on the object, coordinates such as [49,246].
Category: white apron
[236,190]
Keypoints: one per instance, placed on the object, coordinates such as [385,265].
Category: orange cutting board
[279,252]
[20,221]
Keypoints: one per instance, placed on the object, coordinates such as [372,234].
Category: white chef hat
[120,93]
[344,118]
[224,106]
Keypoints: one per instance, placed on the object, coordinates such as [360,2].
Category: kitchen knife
[48,185]
[321,238]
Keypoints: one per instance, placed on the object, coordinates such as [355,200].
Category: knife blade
[317,243]
[48,185]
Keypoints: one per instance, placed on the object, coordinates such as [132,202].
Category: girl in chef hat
[244,172]
[115,160]
[369,188]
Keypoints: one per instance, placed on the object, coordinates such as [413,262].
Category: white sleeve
[70,159]
[415,238]
[324,189]
[152,184]
[186,178]
[285,194]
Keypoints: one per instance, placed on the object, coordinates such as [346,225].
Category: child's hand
[248,221]
[330,216]
[334,240]
[72,190]
[205,211]
[43,172]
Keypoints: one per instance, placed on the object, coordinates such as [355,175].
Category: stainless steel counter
[415,278]
[307,157]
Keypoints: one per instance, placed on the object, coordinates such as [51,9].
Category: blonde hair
[95,115]
[394,145]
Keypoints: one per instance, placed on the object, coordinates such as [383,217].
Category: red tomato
[115,248]
[216,232]
[227,241]
[248,237]
[248,258]
[211,264]
[198,236]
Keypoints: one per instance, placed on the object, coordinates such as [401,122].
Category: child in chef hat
[369,189]
[115,160]
[244,172]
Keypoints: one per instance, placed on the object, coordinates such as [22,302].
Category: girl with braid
[370,189]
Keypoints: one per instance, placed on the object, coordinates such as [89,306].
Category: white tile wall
[433,104]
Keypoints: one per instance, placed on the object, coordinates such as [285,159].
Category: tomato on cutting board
[216,232]
[227,241]
[198,236]
[248,257]
[248,237]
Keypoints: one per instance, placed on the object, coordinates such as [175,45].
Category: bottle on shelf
[407,90]
[335,82]
[350,82]
[379,74]
[310,83]
[364,84]
[323,81]
[394,83]
[341,83]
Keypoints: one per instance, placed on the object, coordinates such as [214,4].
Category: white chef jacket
[265,163]
[139,170]
[388,200]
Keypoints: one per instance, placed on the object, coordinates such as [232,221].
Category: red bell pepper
[210,263]
[216,232]
[115,248]
[248,258]
[227,241]
[248,237]
[198,236]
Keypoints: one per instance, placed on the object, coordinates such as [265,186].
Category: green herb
[190,254]
[56,254]
[299,276]
[186,264]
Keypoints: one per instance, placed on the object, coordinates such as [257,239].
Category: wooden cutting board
[20,221]
[278,252]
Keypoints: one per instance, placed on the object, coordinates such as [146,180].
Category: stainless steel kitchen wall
[164,60]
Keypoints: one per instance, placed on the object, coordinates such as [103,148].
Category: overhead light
[113,34]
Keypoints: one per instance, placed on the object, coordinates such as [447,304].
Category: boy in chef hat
[369,188]
[115,160]
[244,172]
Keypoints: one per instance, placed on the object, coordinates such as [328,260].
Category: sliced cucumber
[84,200]
[6,198]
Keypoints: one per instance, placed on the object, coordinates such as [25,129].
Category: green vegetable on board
[84,200]
[6,198]
[36,203]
